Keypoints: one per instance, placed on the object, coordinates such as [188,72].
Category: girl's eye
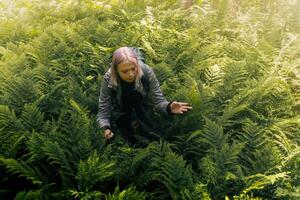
[126,71]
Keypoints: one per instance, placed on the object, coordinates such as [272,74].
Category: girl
[129,89]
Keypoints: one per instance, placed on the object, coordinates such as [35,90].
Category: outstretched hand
[180,107]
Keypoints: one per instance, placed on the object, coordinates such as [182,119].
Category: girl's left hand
[180,107]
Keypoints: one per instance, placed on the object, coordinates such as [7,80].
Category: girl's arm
[156,97]
[159,102]
[105,105]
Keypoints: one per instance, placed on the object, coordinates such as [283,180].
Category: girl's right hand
[108,134]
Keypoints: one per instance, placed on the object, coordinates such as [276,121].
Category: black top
[131,98]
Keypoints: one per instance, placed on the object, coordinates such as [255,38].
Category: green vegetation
[237,63]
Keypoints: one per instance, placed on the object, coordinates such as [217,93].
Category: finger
[185,108]
[183,103]
[178,112]
[188,107]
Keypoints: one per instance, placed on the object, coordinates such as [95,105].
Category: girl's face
[127,71]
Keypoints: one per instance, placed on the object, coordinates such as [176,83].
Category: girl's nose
[131,74]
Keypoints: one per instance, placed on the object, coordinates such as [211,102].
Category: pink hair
[122,55]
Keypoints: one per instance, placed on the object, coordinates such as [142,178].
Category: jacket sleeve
[157,100]
[104,104]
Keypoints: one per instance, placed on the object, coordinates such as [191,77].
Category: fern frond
[93,171]
[35,144]
[199,192]
[290,158]
[44,78]
[32,117]
[75,126]
[140,158]
[233,81]
[229,112]
[12,132]
[221,167]
[53,102]
[213,136]
[86,195]
[259,153]
[19,91]
[267,98]
[259,181]
[57,156]
[9,120]
[289,127]
[32,194]
[126,194]
[210,169]
[82,112]
[159,149]
[175,174]
[23,169]
[190,146]
[265,159]
[213,75]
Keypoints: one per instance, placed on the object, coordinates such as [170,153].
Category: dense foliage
[238,64]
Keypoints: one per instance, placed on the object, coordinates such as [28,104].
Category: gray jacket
[110,95]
